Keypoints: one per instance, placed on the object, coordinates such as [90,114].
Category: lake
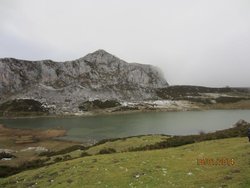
[95,128]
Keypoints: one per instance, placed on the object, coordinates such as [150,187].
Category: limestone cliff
[63,85]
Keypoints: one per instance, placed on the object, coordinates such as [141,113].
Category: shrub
[237,131]
[8,170]
[107,151]
[84,154]
[98,104]
[67,157]
[229,99]
[58,159]
[63,151]
[22,107]
[6,155]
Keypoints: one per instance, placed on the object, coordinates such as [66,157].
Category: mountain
[64,85]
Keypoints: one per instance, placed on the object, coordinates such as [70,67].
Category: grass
[124,145]
[238,130]
[172,167]
[118,145]
[63,151]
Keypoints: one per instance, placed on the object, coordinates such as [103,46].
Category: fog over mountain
[195,42]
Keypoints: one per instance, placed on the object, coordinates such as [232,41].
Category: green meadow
[170,167]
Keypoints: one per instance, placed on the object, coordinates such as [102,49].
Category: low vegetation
[230,99]
[22,107]
[107,151]
[172,167]
[122,145]
[151,142]
[4,155]
[178,92]
[239,130]
[10,170]
[20,148]
[126,144]
[98,104]
[62,151]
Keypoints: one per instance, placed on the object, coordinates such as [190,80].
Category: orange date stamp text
[216,162]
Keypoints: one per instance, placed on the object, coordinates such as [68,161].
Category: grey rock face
[64,85]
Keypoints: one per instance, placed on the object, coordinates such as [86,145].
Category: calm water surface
[112,126]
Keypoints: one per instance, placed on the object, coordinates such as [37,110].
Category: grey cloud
[201,42]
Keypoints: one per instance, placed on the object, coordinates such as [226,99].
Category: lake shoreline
[192,106]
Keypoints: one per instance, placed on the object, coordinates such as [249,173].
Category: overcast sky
[198,42]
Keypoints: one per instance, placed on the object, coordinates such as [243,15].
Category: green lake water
[94,128]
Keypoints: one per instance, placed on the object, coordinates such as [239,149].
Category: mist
[195,42]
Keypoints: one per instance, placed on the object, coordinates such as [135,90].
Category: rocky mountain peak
[101,56]
[100,52]
[98,75]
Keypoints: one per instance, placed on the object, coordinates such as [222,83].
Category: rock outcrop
[62,86]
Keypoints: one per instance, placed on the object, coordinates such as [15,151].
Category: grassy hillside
[172,167]
[127,144]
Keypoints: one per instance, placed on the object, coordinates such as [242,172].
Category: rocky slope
[62,86]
